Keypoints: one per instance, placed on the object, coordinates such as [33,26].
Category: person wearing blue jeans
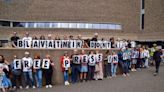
[38,77]
[66,75]
[28,78]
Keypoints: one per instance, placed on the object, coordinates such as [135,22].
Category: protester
[76,66]
[125,63]
[99,60]
[147,56]
[42,37]
[91,65]
[114,64]
[65,65]
[27,62]
[84,66]
[14,39]
[38,70]
[5,82]
[157,57]
[17,75]
[134,56]
[48,72]
[28,39]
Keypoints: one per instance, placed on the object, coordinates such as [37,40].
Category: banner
[61,44]
[46,63]
[37,63]
[17,64]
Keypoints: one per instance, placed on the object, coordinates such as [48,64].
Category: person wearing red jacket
[65,65]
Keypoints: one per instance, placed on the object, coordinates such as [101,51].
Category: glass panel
[72,25]
[96,26]
[80,25]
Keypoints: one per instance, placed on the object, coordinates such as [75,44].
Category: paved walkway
[140,81]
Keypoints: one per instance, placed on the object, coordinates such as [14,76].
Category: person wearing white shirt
[27,62]
[28,40]
[147,56]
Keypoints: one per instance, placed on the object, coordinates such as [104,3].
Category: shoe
[47,86]
[66,83]
[124,75]
[50,86]
[127,74]
[33,87]
[20,87]
[27,87]
[155,74]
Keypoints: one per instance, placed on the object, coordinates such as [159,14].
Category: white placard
[20,44]
[115,58]
[35,44]
[17,64]
[66,63]
[27,43]
[58,44]
[37,63]
[110,58]
[125,56]
[46,64]
[79,44]
[99,57]
[92,59]
[43,43]
[73,43]
[50,44]
[76,59]
[84,58]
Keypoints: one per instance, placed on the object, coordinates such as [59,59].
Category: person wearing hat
[27,62]
[157,57]
[65,65]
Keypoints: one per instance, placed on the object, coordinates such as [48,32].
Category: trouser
[157,64]
[91,72]
[75,72]
[38,77]
[124,65]
[109,70]
[113,69]
[48,75]
[146,62]
[15,79]
[28,78]
[66,75]
[99,74]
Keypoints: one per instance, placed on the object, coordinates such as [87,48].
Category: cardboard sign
[46,64]
[115,58]
[92,59]
[99,57]
[50,44]
[110,58]
[17,64]
[35,44]
[84,58]
[27,43]
[58,44]
[66,63]
[76,59]
[26,64]
[125,56]
[37,63]
[100,44]
[20,44]
[43,43]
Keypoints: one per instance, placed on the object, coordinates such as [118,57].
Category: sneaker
[66,83]
[50,86]
[124,75]
[20,87]
[47,86]
[127,74]
[33,87]
[27,87]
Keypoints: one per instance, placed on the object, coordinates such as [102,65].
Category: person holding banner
[37,70]
[84,66]
[114,64]
[99,59]
[27,62]
[28,40]
[134,56]
[65,65]
[47,65]
[16,70]
[125,63]
[5,82]
[91,65]
[76,66]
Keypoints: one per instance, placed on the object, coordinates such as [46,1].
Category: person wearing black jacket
[157,57]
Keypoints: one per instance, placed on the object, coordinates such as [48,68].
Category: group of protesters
[81,66]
